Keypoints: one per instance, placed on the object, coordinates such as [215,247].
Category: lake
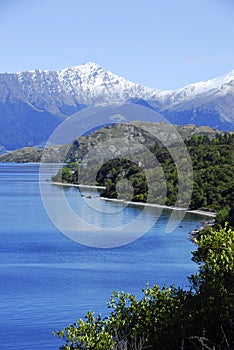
[48,281]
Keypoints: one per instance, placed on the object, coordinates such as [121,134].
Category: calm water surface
[47,281]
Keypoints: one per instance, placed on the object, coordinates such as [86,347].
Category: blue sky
[163,44]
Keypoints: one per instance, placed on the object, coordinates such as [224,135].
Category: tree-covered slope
[212,161]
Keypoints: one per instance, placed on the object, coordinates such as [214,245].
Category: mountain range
[34,103]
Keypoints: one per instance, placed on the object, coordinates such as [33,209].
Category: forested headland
[213,181]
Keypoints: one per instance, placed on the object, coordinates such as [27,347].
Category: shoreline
[124,201]
[74,185]
[202,212]
[154,205]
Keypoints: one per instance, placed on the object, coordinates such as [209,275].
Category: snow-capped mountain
[33,103]
[87,84]
[209,102]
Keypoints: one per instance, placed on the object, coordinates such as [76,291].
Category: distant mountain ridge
[33,103]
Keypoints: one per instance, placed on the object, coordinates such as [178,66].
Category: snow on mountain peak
[91,84]
[88,68]
[49,95]
[217,86]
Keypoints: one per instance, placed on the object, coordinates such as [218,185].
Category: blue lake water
[48,281]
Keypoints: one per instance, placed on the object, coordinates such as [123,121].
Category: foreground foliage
[170,318]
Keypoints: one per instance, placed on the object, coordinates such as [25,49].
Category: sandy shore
[152,205]
[73,185]
[203,212]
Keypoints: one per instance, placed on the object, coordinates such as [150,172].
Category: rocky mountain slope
[33,103]
[144,132]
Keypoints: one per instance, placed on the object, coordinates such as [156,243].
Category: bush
[170,318]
